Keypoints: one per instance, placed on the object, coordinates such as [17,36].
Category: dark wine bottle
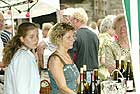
[129,77]
[115,77]
[122,70]
[122,66]
[2,71]
[92,83]
[96,86]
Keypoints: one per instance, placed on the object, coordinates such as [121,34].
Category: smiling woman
[60,62]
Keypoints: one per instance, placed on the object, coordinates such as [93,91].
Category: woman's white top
[22,74]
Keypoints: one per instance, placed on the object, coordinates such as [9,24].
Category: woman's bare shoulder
[54,60]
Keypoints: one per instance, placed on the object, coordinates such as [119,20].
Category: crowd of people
[64,48]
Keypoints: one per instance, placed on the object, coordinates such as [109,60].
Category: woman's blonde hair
[117,19]
[58,31]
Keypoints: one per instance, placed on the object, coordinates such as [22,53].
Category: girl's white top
[22,74]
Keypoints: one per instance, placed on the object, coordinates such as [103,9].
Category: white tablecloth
[131,93]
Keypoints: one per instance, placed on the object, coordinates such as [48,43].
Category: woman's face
[1,22]
[68,40]
[31,39]
[111,32]
[45,33]
[121,29]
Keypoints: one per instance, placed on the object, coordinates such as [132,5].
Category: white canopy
[36,8]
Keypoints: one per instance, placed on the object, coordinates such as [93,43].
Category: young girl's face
[31,39]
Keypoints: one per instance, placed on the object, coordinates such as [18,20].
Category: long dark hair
[15,43]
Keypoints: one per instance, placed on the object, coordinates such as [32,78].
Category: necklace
[125,51]
[65,56]
[124,45]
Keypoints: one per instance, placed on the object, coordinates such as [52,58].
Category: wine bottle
[2,71]
[81,89]
[84,73]
[86,84]
[122,70]
[129,77]
[115,77]
[92,84]
[96,83]
[122,66]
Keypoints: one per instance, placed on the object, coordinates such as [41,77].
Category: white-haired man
[85,49]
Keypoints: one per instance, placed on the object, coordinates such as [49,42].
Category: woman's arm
[56,68]
[109,58]
[40,51]
[78,80]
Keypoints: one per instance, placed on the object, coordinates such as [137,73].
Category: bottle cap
[81,70]
[117,57]
[84,67]
[128,60]
[95,69]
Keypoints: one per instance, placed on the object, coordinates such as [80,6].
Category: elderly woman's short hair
[107,23]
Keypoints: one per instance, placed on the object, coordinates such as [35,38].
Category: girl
[22,74]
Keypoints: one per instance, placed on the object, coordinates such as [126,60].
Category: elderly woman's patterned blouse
[113,50]
[104,39]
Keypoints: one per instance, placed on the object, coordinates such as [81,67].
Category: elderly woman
[106,36]
[63,72]
[119,48]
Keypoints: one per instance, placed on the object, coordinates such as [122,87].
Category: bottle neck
[84,72]
[129,73]
[81,74]
[81,77]
[122,64]
[95,75]
[117,64]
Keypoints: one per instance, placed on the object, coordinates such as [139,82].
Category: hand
[41,46]
[2,65]
[40,52]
